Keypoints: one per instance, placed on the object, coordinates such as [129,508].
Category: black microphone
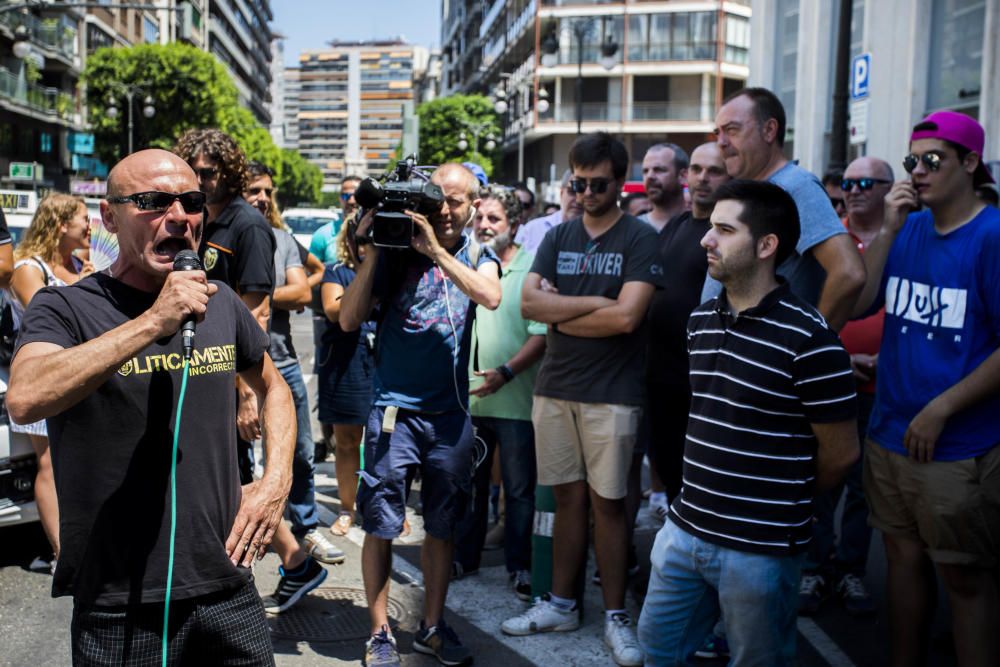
[187,260]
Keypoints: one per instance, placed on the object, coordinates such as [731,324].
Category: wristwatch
[506,372]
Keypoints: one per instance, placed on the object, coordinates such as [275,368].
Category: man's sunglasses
[597,185]
[253,192]
[191,202]
[346,196]
[863,183]
[931,160]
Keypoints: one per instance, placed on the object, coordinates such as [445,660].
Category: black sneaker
[520,581]
[633,568]
[812,594]
[442,642]
[291,588]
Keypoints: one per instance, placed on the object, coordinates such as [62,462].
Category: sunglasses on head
[253,192]
[931,160]
[192,201]
[863,183]
[597,185]
[205,173]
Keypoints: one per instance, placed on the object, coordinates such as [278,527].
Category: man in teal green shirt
[502,366]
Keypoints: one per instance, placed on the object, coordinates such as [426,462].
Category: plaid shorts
[224,628]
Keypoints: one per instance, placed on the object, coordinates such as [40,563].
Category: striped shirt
[758,381]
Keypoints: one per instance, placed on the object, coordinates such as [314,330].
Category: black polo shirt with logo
[237,248]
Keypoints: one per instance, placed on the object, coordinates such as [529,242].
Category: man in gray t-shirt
[826,269]
[591,282]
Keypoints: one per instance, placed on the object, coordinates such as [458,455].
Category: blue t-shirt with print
[942,320]
[424,316]
[817,222]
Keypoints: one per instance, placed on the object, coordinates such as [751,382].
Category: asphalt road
[326,628]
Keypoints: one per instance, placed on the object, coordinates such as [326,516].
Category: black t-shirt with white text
[596,370]
[111,451]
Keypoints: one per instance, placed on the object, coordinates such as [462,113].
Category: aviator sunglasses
[192,201]
[597,185]
[863,183]
[931,160]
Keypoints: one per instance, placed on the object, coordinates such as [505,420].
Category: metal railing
[50,101]
[638,111]
[49,33]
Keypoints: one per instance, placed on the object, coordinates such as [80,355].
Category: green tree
[444,119]
[190,89]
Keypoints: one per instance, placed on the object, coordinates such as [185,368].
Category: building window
[786,45]
[150,31]
[737,39]
[956,54]
[672,36]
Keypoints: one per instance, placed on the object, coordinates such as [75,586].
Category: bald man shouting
[102,361]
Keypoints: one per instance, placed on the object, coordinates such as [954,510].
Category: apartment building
[645,70]
[924,56]
[351,100]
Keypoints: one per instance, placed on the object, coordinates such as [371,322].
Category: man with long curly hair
[237,248]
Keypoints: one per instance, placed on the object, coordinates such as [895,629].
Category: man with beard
[684,265]
[664,169]
[506,348]
[424,297]
[592,281]
[772,420]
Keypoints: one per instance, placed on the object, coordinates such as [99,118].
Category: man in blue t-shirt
[825,268]
[427,296]
[932,465]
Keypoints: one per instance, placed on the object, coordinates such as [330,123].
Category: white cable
[481,447]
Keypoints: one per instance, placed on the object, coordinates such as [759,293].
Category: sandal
[343,524]
[406,528]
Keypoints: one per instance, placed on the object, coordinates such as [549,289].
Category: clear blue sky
[310,24]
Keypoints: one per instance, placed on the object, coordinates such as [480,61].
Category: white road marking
[824,645]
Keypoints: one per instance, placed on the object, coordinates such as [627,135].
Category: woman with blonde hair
[47,257]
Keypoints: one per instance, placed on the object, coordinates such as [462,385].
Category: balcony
[639,112]
[49,102]
[51,34]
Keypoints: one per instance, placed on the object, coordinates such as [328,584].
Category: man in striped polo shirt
[773,419]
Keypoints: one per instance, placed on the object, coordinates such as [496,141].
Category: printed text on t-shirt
[926,304]
[592,263]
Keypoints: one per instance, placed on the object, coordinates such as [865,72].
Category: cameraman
[426,297]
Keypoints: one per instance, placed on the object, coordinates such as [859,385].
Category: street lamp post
[130,90]
[581,29]
[476,129]
[501,106]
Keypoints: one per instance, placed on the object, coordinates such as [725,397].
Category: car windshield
[305,224]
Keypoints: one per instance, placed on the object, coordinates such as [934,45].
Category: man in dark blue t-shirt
[427,297]
[932,464]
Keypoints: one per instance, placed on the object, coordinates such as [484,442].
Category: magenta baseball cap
[958,129]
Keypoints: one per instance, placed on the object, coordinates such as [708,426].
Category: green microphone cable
[173,508]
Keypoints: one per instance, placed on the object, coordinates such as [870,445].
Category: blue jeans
[516,439]
[301,509]
[691,581]
[851,555]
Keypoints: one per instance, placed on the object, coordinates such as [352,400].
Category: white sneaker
[659,511]
[620,637]
[542,616]
[322,549]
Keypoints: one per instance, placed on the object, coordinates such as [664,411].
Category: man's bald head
[457,175]
[134,172]
[865,208]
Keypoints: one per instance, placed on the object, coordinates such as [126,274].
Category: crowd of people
[772,343]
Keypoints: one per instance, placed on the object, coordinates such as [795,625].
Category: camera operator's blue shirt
[424,315]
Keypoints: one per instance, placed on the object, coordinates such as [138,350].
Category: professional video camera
[407,187]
